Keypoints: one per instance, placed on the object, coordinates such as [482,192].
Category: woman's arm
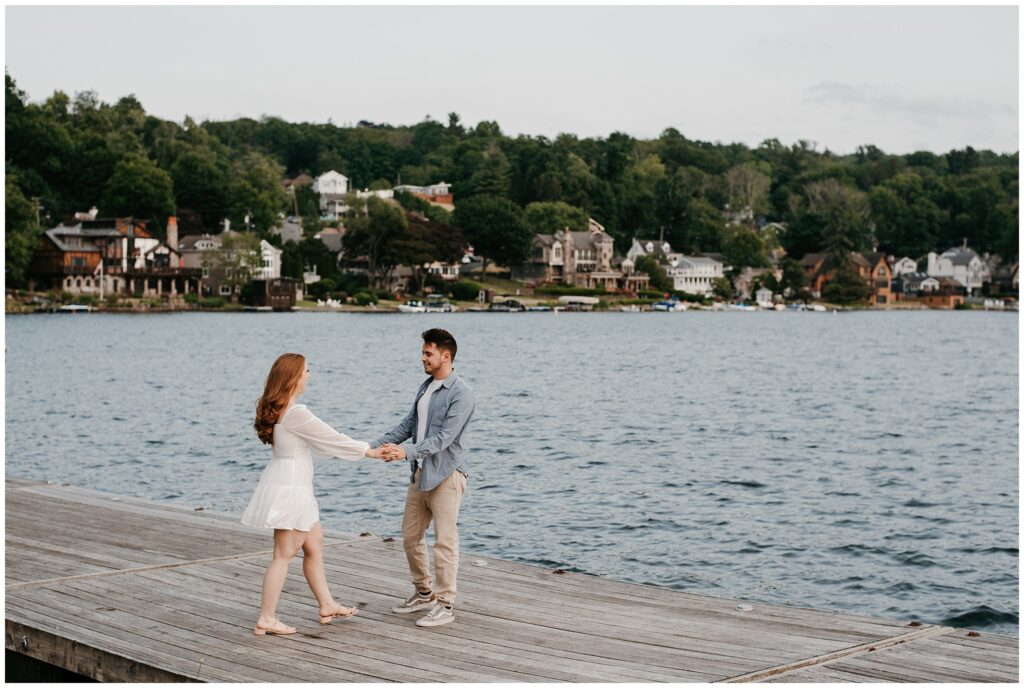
[322,437]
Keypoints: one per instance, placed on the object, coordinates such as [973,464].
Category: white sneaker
[415,603]
[437,616]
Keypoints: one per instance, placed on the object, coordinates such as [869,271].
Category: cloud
[927,109]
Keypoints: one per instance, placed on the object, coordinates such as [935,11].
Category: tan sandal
[276,628]
[343,612]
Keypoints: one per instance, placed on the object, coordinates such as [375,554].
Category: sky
[900,78]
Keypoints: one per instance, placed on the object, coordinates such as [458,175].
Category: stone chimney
[172,233]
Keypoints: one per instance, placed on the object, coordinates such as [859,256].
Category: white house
[961,264]
[648,247]
[904,266]
[270,264]
[332,187]
[694,274]
[763,298]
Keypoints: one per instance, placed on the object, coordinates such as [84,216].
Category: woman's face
[303,381]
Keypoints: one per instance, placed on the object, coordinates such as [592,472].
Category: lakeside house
[690,274]
[903,266]
[111,256]
[222,272]
[580,259]
[873,268]
[961,264]
[332,187]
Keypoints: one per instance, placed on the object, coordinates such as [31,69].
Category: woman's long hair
[282,381]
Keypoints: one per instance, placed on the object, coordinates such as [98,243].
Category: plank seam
[170,565]
[761,674]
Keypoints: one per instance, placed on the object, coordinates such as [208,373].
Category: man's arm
[400,433]
[459,413]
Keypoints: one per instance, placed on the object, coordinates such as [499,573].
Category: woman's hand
[377,453]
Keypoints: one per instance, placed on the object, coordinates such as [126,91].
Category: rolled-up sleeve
[321,437]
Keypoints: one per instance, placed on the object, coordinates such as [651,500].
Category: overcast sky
[901,78]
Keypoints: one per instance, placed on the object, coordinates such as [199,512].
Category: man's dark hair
[442,339]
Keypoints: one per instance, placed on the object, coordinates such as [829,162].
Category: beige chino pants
[440,505]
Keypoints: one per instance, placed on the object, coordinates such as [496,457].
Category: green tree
[794,278]
[549,217]
[496,228]
[659,278]
[21,232]
[743,248]
[139,188]
[846,287]
[255,192]
[377,235]
[201,183]
[907,221]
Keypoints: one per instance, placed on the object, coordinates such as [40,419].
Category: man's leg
[414,528]
[444,501]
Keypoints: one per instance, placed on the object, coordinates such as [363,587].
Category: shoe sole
[432,624]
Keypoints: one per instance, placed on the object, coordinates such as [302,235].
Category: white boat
[75,308]
[412,306]
[438,304]
[817,308]
[670,306]
[742,307]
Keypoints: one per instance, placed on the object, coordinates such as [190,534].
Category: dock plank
[178,598]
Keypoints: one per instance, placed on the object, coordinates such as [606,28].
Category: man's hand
[392,452]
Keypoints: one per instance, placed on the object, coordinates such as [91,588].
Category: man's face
[433,358]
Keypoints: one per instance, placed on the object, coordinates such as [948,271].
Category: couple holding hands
[284,499]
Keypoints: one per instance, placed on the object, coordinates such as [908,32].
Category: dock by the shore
[125,589]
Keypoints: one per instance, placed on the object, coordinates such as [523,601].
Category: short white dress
[284,498]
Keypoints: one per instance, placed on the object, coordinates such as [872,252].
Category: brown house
[950,294]
[117,256]
[873,268]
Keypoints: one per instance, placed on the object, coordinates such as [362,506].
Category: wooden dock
[123,589]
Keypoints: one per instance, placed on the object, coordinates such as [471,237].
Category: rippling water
[863,462]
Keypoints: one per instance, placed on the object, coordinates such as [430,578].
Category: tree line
[65,154]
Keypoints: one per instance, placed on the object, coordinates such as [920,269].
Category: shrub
[365,298]
[465,290]
[320,289]
[111,300]
[211,302]
[192,298]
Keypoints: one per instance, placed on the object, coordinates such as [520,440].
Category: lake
[864,462]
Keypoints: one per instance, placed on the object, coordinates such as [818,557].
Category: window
[225,290]
[206,272]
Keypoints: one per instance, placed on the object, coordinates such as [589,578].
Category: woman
[284,499]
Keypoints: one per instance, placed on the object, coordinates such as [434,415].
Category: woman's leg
[287,544]
[313,568]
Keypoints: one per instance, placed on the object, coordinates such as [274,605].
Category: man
[437,457]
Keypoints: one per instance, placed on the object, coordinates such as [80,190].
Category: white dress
[284,497]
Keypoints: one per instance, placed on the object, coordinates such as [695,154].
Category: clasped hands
[388,452]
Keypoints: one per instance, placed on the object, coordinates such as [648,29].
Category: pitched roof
[189,241]
[960,255]
[546,239]
[811,259]
[657,246]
